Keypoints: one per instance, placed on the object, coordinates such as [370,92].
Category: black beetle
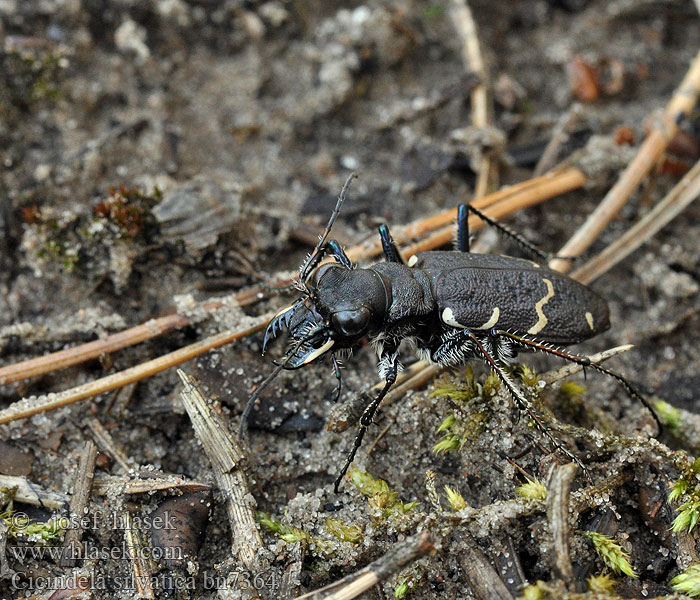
[451,306]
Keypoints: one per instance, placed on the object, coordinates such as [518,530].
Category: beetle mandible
[451,306]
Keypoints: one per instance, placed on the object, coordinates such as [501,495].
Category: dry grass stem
[560,135]
[78,502]
[353,585]
[291,579]
[28,492]
[546,187]
[79,354]
[142,565]
[227,458]
[572,368]
[34,405]
[107,445]
[681,103]
[103,485]
[676,201]
[464,24]
[558,501]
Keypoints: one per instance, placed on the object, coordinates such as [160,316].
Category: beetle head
[353,301]
[345,305]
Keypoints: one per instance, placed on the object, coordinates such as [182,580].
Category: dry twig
[463,22]
[81,494]
[26,492]
[227,458]
[558,501]
[107,445]
[560,136]
[571,368]
[681,103]
[32,406]
[142,566]
[353,585]
[676,201]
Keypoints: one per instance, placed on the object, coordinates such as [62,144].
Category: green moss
[401,590]
[456,500]
[601,584]
[611,553]
[686,491]
[532,489]
[571,389]
[669,415]
[41,532]
[688,582]
[383,499]
[291,535]
[344,532]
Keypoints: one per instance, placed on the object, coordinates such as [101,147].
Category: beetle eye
[351,322]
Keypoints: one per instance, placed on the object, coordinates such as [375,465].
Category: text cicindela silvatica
[453,306]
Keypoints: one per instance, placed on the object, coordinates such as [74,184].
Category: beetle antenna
[317,253]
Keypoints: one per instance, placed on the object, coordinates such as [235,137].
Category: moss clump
[686,492]
[532,489]
[688,582]
[381,498]
[470,398]
[611,553]
[343,531]
[291,534]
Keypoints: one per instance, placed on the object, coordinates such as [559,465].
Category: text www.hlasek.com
[88,552]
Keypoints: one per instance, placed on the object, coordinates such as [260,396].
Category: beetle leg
[339,254]
[585,362]
[521,401]
[368,416]
[391,252]
[339,382]
[462,242]
[508,232]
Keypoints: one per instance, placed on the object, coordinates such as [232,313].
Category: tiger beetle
[451,306]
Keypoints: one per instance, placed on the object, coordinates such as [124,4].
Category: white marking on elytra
[448,318]
[316,353]
[412,261]
[542,319]
[589,320]
[492,320]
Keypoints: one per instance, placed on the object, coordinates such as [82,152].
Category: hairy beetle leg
[523,403]
[586,362]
